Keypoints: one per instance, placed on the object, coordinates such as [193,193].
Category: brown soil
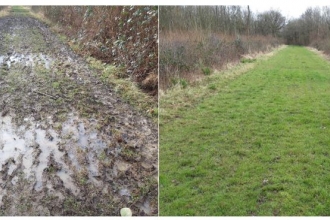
[68,144]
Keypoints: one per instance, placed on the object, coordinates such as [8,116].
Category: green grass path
[261,146]
[19,11]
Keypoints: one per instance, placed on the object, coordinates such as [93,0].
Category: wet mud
[68,144]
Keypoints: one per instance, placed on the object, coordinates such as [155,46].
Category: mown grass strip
[19,11]
[260,146]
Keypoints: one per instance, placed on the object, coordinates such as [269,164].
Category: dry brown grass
[321,53]
[4,11]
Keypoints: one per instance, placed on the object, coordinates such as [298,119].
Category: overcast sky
[289,10]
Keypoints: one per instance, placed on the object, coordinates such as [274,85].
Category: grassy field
[19,9]
[14,10]
[258,144]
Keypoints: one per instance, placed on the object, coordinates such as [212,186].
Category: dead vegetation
[191,55]
[125,36]
[196,40]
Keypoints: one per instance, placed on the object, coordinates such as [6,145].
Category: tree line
[311,28]
[230,20]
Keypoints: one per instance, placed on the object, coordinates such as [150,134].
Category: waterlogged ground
[68,144]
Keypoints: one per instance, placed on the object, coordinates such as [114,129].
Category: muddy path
[68,144]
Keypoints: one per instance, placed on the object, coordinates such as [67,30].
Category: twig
[53,97]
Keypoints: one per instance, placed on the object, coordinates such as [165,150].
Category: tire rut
[68,144]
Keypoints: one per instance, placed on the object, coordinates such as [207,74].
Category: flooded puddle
[26,60]
[39,153]
[36,151]
[68,144]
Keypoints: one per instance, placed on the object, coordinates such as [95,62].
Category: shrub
[206,71]
[247,60]
[182,53]
[178,81]
[212,87]
[119,35]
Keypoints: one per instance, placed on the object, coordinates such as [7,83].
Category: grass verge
[252,144]
[4,11]
[190,55]
[175,101]
[19,10]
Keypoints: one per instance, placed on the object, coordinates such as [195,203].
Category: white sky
[289,10]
